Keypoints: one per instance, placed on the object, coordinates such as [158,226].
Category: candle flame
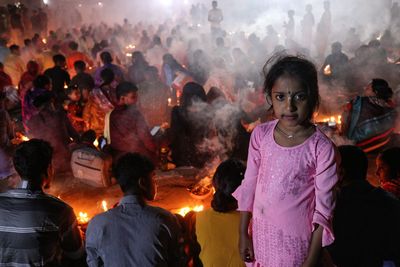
[44,40]
[327,70]
[83,217]
[96,143]
[104,205]
[185,210]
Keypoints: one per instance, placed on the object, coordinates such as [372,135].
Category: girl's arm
[315,248]
[245,242]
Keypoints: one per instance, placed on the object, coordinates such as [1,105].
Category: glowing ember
[332,120]
[327,70]
[104,205]
[83,217]
[185,210]
[21,137]
[131,46]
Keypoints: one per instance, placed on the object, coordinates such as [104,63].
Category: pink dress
[288,190]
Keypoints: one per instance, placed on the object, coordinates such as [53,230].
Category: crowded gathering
[193,133]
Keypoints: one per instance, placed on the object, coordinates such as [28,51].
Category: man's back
[36,229]
[366,226]
[133,234]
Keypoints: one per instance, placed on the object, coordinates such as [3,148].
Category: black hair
[88,136]
[227,178]
[391,157]
[32,159]
[130,168]
[42,100]
[13,47]
[107,75]
[72,88]
[80,65]
[192,92]
[58,59]
[354,162]
[381,89]
[125,88]
[41,81]
[295,67]
[73,45]
[106,57]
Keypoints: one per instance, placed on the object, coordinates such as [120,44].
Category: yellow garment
[218,235]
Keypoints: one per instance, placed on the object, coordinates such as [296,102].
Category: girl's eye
[300,97]
[280,97]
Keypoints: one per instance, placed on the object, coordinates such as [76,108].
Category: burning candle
[104,205]
[65,86]
[327,70]
[185,210]
[169,102]
[96,143]
[83,217]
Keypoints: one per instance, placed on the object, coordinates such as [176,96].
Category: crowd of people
[183,94]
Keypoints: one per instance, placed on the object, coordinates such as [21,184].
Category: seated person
[366,218]
[82,79]
[37,229]
[388,170]
[101,100]
[134,233]
[190,126]
[53,126]
[369,120]
[128,128]
[215,230]
[74,108]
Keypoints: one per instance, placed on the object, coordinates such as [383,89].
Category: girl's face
[290,102]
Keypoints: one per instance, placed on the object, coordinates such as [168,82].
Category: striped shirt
[37,230]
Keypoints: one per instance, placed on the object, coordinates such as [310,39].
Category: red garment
[26,81]
[130,133]
[392,186]
[74,113]
[75,56]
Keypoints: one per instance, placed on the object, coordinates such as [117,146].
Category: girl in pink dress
[288,190]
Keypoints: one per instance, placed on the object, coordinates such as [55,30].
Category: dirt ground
[172,191]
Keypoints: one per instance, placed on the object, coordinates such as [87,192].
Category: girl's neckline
[290,147]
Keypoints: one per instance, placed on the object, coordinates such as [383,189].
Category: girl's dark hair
[227,178]
[391,157]
[192,92]
[294,67]
[381,89]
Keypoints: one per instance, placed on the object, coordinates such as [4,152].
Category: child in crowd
[388,170]
[74,108]
[215,229]
[288,190]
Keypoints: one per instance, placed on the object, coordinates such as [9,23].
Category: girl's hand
[246,248]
